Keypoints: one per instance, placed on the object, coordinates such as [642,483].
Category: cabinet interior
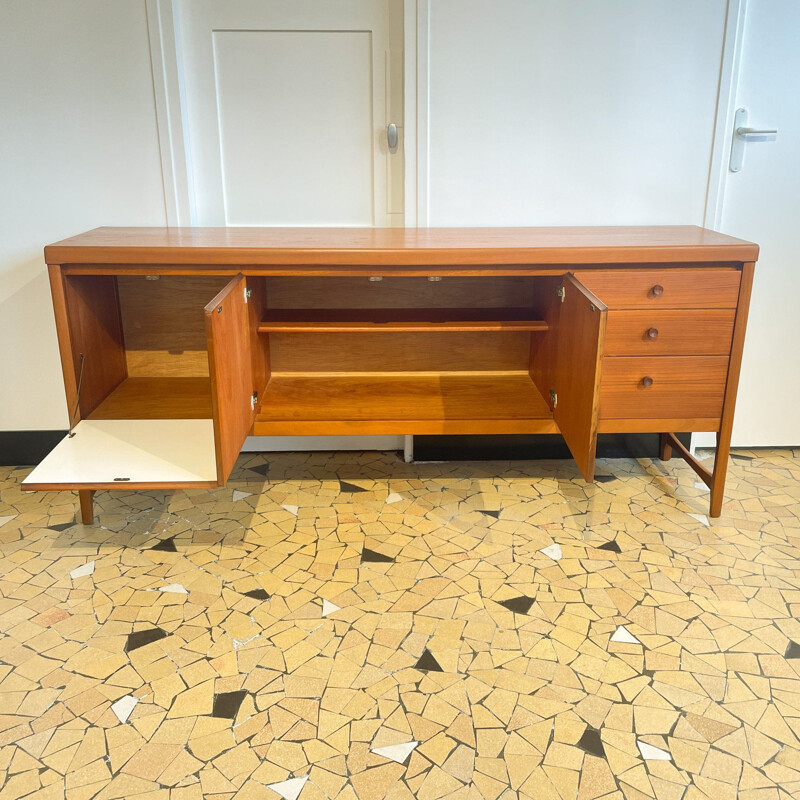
[151,361]
[397,351]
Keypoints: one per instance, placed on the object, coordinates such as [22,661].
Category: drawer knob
[647,381]
[652,333]
[657,290]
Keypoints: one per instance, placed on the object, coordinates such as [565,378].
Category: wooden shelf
[421,403]
[157,398]
[394,320]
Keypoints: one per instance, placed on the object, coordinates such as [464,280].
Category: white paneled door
[761,202]
[287,104]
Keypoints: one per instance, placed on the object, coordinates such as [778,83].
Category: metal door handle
[742,135]
[391,137]
[756,132]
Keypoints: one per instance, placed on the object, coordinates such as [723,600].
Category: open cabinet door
[580,334]
[231,370]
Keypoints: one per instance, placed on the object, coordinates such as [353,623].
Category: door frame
[730,69]
[173,130]
[175,139]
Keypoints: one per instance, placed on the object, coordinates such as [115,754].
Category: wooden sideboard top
[401,246]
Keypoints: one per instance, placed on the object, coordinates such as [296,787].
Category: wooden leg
[734,366]
[664,448]
[86,499]
[720,471]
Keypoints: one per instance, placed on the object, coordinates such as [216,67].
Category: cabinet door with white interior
[140,421]
[287,105]
[130,454]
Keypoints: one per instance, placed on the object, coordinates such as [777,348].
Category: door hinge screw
[560,292]
[553,398]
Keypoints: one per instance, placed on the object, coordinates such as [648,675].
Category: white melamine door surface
[130,452]
[286,104]
[762,203]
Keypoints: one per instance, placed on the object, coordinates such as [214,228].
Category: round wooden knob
[657,290]
[652,333]
[647,381]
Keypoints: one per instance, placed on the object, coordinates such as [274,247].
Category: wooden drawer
[682,386]
[664,288]
[661,332]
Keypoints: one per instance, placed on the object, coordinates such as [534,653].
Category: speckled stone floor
[349,626]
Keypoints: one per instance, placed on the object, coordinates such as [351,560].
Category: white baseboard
[704,440]
[281,444]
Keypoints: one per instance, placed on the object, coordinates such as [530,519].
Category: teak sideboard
[177,343]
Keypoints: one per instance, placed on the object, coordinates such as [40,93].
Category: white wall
[541,112]
[568,112]
[78,149]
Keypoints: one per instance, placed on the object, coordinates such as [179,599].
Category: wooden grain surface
[157,398]
[678,332]
[231,371]
[658,424]
[401,292]
[399,320]
[731,387]
[259,343]
[683,386]
[399,352]
[163,323]
[682,288]
[96,331]
[580,336]
[399,246]
[58,292]
[406,399]
[544,346]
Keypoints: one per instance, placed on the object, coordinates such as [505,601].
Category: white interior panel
[143,450]
[295,117]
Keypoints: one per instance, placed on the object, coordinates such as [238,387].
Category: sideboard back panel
[163,324]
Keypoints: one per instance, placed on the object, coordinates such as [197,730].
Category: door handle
[743,134]
[392,137]
[756,132]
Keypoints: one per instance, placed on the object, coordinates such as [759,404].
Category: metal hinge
[253,400]
[560,292]
[553,398]
[248,293]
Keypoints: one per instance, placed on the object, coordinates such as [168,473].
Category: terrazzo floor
[349,626]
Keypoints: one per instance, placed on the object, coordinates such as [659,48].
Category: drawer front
[681,386]
[662,332]
[664,288]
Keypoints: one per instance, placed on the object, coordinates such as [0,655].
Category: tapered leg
[720,471]
[729,403]
[86,499]
[664,448]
